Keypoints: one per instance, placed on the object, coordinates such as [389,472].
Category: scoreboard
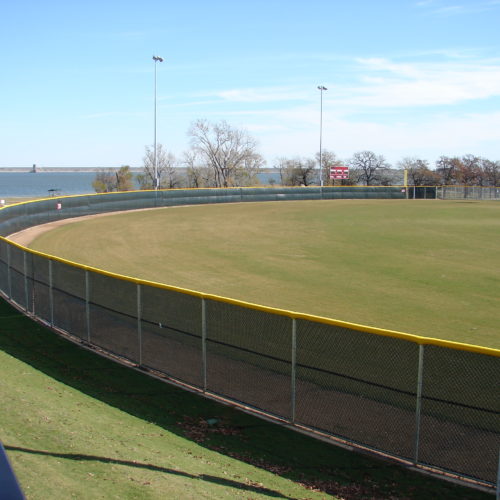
[339,173]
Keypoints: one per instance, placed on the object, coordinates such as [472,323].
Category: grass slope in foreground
[76,425]
[427,267]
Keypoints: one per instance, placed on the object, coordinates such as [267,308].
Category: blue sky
[404,77]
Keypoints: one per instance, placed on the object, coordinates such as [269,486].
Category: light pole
[156,59]
[321,88]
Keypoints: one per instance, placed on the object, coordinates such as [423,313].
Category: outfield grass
[76,425]
[427,267]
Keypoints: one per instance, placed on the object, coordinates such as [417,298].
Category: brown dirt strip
[26,236]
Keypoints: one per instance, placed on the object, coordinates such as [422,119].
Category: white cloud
[438,135]
[394,108]
[378,83]
[389,84]
[450,10]
[441,8]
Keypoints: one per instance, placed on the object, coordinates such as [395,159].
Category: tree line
[369,169]
[223,156]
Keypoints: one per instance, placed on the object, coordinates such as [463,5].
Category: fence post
[139,322]
[33,294]
[418,409]
[204,343]
[25,276]
[9,274]
[294,369]
[87,303]
[51,295]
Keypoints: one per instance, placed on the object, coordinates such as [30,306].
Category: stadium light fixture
[321,88]
[156,184]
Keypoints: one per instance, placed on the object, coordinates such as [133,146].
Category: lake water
[42,184]
[26,184]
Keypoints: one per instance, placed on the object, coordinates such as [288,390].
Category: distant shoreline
[62,169]
[86,169]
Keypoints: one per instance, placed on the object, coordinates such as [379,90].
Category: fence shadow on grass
[242,436]
[115,461]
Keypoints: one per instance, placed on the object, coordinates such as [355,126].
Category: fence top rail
[421,340]
[418,339]
[468,186]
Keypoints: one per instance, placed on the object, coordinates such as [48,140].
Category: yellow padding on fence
[417,339]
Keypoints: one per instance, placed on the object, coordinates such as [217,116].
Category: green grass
[76,425]
[426,267]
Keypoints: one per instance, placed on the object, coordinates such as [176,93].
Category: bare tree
[167,172]
[104,181]
[280,165]
[469,170]
[229,152]
[124,179]
[328,160]
[419,173]
[197,175]
[369,165]
[355,176]
[491,172]
[108,180]
[296,171]
[447,168]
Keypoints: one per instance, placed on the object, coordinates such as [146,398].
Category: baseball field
[426,267]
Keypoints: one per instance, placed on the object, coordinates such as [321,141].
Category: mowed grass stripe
[427,267]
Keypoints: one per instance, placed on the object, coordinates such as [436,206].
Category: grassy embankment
[76,425]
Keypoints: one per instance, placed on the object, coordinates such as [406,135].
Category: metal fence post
[294,369]
[418,408]
[33,295]
[51,295]
[9,274]
[87,303]
[25,276]
[139,322]
[204,343]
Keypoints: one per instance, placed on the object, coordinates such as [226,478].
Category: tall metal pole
[155,160]
[321,88]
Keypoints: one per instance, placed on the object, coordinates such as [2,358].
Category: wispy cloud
[430,138]
[379,83]
[377,108]
[389,84]
[444,8]
[450,10]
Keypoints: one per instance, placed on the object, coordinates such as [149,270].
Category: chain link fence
[432,403]
[468,193]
